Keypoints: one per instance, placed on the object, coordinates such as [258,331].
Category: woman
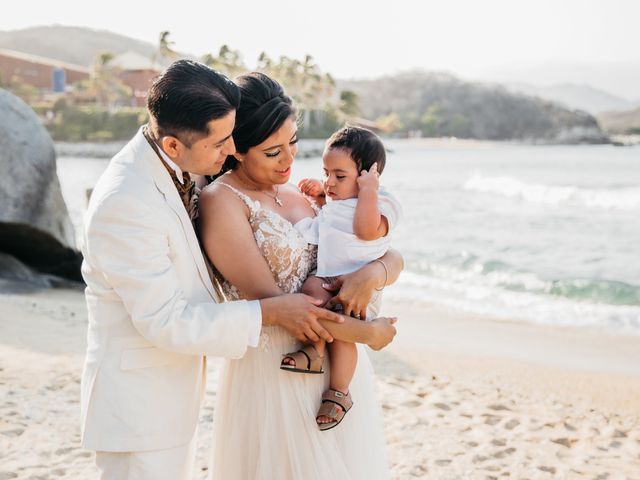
[264,426]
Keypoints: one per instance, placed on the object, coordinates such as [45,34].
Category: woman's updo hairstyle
[264,107]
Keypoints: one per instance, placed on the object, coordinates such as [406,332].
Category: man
[153,310]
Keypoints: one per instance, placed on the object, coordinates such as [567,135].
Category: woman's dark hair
[365,147]
[264,107]
[186,97]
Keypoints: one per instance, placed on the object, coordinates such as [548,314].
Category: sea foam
[624,198]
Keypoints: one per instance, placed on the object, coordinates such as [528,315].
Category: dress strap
[243,196]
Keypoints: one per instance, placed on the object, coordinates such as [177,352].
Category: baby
[352,229]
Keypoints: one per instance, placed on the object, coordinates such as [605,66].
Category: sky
[540,42]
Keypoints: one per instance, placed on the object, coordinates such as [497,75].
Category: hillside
[579,97]
[430,104]
[78,45]
[437,104]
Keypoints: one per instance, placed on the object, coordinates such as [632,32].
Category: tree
[165,46]
[105,82]
[227,61]
[430,121]
[349,104]
[389,123]
[304,81]
[22,89]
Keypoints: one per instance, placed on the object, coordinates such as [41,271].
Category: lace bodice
[289,256]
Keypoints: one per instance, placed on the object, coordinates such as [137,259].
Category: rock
[15,276]
[34,223]
[577,127]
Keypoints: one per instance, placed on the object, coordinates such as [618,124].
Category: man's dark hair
[365,147]
[186,97]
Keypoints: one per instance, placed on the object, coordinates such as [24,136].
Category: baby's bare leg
[344,358]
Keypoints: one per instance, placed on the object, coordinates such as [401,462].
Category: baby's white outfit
[340,251]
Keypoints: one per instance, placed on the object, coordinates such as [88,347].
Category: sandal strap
[331,410]
[308,353]
[339,398]
[315,360]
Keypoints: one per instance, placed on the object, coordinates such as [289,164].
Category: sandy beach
[463,397]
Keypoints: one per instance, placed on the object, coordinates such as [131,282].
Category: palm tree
[105,81]
[227,61]
[349,104]
[165,46]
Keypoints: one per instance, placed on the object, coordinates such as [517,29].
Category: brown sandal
[331,401]
[306,354]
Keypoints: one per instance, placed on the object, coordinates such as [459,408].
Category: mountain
[430,103]
[577,97]
[438,104]
[78,45]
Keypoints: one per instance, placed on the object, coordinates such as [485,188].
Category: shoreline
[587,364]
[313,147]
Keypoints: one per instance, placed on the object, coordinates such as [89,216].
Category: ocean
[543,234]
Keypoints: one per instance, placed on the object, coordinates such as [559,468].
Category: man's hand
[298,314]
[311,187]
[384,332]
[369,180]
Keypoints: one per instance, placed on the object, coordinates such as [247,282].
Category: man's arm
[128,244]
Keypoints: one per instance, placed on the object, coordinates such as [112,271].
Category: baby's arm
[313,188]
[368,222]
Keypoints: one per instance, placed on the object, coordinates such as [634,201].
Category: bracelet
[386,275]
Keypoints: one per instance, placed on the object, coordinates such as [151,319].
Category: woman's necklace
[275,197]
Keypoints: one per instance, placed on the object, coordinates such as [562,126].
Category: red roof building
[137,72]
[39,72]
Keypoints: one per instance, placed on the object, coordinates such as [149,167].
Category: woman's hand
[356,289]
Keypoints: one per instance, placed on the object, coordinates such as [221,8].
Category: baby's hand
[311,187]
[369,179]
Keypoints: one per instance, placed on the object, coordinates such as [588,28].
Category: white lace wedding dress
[264,421]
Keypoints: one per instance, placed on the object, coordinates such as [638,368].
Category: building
[137,72]
[49,75]
[46,74]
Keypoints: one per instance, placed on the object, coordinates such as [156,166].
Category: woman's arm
[230,245]
[356,289]
[228,241]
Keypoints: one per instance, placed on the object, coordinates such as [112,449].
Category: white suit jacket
[152,310]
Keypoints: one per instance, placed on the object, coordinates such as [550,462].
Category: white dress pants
[168,464]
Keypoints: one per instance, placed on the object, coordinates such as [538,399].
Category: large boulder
[34,223]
